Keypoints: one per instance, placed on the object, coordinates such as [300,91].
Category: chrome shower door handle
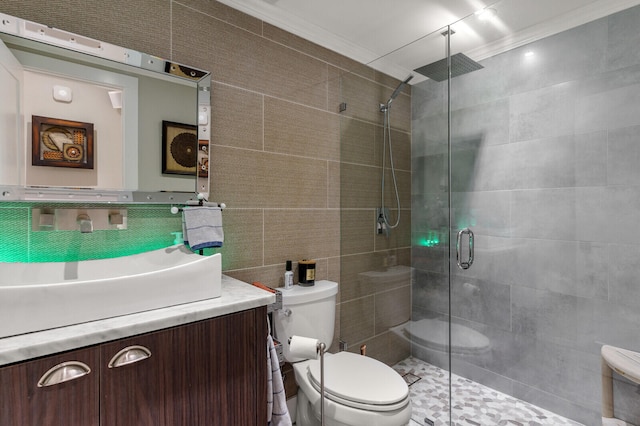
[469,262]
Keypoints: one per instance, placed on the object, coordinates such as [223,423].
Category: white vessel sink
[40,296]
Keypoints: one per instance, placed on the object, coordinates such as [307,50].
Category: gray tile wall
[545,170]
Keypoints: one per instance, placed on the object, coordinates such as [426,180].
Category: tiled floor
[474,404]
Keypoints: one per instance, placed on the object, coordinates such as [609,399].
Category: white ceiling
[397,36]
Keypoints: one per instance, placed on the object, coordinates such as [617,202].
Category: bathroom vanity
[200,363]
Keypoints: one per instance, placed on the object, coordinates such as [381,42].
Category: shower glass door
[543,149]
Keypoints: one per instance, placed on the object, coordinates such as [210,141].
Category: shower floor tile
[474,404]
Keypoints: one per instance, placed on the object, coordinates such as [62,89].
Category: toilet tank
[307,312]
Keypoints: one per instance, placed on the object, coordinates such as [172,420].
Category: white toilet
[359,390]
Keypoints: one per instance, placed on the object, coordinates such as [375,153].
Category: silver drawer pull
[64,372]
[129,355]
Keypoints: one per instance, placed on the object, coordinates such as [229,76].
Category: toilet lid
[360,381]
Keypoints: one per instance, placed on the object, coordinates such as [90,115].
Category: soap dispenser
[288,276]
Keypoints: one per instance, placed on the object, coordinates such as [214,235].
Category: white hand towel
[203,227]
[277,411]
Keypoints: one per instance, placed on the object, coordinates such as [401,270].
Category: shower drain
[410,378]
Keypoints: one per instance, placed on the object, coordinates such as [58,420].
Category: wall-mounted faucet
[85,220]
[85,223]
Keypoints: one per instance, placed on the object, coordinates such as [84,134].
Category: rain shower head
[460,64]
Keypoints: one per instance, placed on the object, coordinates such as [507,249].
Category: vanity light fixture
[62,93]
[116,98]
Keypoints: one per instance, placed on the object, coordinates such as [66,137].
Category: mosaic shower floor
[474,404]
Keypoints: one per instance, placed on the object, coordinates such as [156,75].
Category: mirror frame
[123,58]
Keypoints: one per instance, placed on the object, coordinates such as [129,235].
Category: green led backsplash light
[148,228]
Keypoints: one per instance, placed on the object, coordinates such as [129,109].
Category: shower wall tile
[358,142]
[547,315]
[481,125]
[352,285]
[300,234]
[429,136]
[623,274]
[225,13]
[244,246]
[429,259]
[300,131]
[334,88]
[429,174]
[566,53]
[431,292]
[546,163]
[428,98]
[487,213]
[608,214]
[246,179]
[559,370]
[590,159]
[392,308]
[358,323]
[281,36]
[363,98]
[244,59]
[592,268]
[623,156]
[549,265]
[401,143]
[608,101]
[544,213]
[362,190]
[610,323]
[357,231]
[543,113]
[481,301]
[623,39]
[334,187]
[236,117]
[482,168]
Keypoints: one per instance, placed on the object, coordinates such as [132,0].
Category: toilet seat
[371,385]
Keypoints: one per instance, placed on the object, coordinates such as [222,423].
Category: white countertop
[236,296]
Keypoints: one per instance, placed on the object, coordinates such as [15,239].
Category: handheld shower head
[385,106]
[399,88]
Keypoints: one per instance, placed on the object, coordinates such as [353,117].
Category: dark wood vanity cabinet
[211,372]
[76,402]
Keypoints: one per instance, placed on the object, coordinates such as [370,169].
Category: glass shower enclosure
[517,255]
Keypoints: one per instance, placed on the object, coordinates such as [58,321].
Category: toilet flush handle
[286,312]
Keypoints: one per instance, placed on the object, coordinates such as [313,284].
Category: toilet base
[308,408]
[306,415]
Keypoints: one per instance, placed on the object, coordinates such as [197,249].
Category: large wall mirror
[83,120]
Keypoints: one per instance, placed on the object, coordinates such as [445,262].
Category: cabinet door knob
[64,372]
[129,355]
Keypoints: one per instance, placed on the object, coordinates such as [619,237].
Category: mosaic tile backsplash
[148,228]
